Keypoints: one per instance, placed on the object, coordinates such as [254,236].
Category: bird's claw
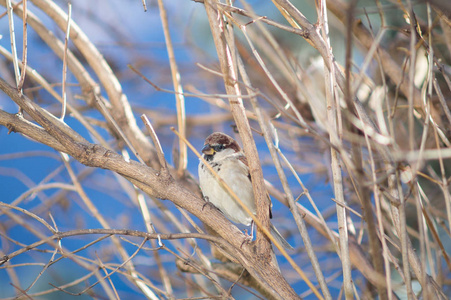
[207,202]
[247,240]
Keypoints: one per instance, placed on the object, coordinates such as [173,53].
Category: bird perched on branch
[226,157]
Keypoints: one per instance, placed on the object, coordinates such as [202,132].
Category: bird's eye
[218,147]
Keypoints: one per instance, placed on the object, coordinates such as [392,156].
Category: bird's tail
[276,234]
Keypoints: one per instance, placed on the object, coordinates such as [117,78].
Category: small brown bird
[226,157]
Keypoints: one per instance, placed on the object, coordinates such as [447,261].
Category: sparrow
[225,156]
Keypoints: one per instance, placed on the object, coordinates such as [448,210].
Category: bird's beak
[208,150]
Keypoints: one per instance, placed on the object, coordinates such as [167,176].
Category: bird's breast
[235,175]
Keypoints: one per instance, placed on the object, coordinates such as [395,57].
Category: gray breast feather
[239,183]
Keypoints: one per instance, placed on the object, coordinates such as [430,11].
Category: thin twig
[144,5]
[335,129]
[66,43]
[12,36]
[156,142]
[180,99]
[24,46]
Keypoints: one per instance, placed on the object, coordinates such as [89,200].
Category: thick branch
[16,123]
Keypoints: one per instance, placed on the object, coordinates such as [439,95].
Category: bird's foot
[207,202]
[248,238]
